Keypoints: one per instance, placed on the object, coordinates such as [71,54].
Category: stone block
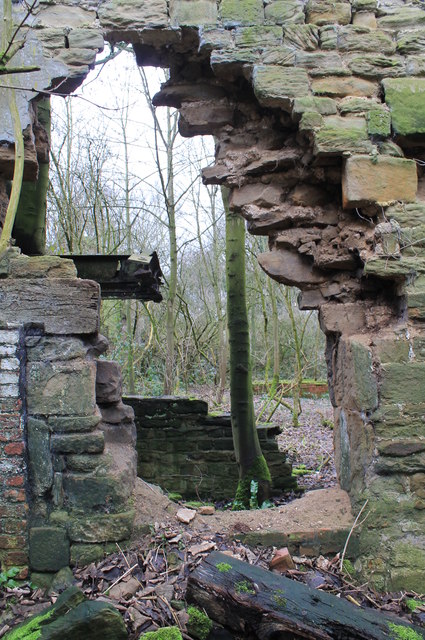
[237,12]
[365,19]
[321,63]
[84,554]
[403,382]
[378,123]
[379,180]
[406,16]
[323,106]
[275,86]
[328,12]
[193,12]
[93,442]
[376,66]
[302,37]
[61,388]
[285,12]
[48,549]
[101,527]
[416,299]
[258,36]
[41,267]
[64,306]
[125,14]
[351,38]
[400,420]
[355,384]
[66,424]
[411,42]
[339,135]
[212,38]
[84,463]
[106,493]
[339,87]
[39,458]
[48,348]
[406,100]
[108,382]
[85,39]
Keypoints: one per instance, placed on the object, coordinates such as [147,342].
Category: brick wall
[13,504]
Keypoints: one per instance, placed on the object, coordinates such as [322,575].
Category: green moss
[259,472]
[398,632]
[175,497]
[301,470]
[244,587]
[413,604]
[279,599]
[199,625]
[32,629]
[406,100]
[223,567]
[348,567]
[167,633]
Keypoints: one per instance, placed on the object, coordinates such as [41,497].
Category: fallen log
[259,604]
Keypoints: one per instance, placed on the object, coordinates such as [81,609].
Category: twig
[127,562]
[344,551]
[124,575]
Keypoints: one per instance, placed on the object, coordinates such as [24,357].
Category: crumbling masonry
[318,110]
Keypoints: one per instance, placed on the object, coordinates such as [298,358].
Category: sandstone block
[193,13]
[92,442]
[39,458]
[365,19]
[323,106]
[277,87]
[65,424]
[284,12]
[402,17]
[61,388]
[403,382]
[339,87]
[101,527]
[108,382]
[351,38]
[41,267]
[51,349]
[236,12]
[63,306]
[406,100]
[125,14]
[84,554]
[97,492]
[49,549]
[378,123]
[290,268]
[302,37]
[380,180]
[328,12]
[376,66]
[339,135]
[256,194]
[258,36]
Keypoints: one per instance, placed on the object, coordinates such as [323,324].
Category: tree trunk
[252,465]
[260,605]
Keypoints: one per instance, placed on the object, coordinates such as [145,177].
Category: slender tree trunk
[129,324]
[251,462]
[276,342]
[169,380]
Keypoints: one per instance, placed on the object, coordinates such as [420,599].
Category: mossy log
[258,604]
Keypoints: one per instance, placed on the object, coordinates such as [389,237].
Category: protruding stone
[406,100]
[277,87]
[108,382]
[282,561]
[379,180]
[185,515]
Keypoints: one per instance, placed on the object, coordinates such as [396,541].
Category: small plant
[7,578]
[175,497]
[301,470]
[253,499]
[348,567]
[279,599]
[398,632]
[199,625]
[413,604]
[223,567]
[327,423]
[167,633]
[244,587]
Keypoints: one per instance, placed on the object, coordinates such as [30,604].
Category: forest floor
[146,580]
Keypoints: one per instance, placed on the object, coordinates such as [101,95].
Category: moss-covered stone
[167,633]
[310,120]
[351,38]
[339,87]
[258,36]
[83,554]
[236,12]
[323,106]
[406,16]
[406,100]
[277,87]
[376,66]
[328,12]
[101,527]
[199,625]
[403,382]
[39,458]
[48,549]
[284,12]
[342,135]
[378,123]
[302,37]
[193,12]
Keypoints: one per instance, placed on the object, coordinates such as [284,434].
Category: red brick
[12,542]
[14,449]
[13,494]
[13,511]
[14,526]
[16,558]
[16,481]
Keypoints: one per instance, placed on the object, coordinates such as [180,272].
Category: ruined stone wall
[184,449]
[318,113]
[66,484]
